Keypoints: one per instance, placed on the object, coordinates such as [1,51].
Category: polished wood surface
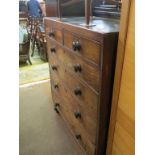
[51,8]
[81,65]
[101,26]
[53,31]
[82,70]
[125,123]
[122,125]
[118,71]
[87,48]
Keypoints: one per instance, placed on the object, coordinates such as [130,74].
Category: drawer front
[77,67]
[53,33]
[48,25]
[87,48]
[67,107]
[52,49]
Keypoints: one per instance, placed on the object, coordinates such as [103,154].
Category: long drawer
[67,107]
[87,48]
[79,68]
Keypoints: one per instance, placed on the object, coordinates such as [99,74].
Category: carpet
[34,73]
[41,130]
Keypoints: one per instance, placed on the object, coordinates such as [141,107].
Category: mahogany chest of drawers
[81,62]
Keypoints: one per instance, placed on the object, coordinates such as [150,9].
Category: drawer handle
[76,46]
[77,68]
[56,106]
[77,114]
[53,50]
[51,34]
[54,67]
[77,92]
[56,86]
[78,136]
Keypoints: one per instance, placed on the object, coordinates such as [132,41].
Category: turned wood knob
[56,86]
[51,34]
[77,114]
[78,136]
[56,105]
[54,67]
[77,92]
[53,50]
[74,45]
[77,68]
[78,46]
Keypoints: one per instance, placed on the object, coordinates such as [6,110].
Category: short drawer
[54,33]
[87,48]
[88,73]
[52,49]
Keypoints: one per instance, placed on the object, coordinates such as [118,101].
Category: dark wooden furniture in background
[51,8]
[23,12]
[81,62]
[74,8]
[57,8]
[41,41]
[24,54]
[24,47]
[108,8]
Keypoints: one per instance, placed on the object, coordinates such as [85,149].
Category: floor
[39,70]
[42,131]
